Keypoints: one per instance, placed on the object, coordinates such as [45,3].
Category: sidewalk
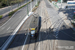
[66,16]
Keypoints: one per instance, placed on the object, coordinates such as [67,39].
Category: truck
[34,26]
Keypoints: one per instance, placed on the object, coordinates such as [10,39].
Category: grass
[1,16]
[55,4]
[36,6]
[11,13]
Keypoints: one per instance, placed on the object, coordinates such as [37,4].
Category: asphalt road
[68,12]
[66,38]
[19,39]
[7,9]
[7,29]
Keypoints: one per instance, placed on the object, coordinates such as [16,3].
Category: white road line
[8,41]
[39,43]
[7,21]
[25,40]
[8,28]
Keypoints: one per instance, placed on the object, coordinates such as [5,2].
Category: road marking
[8,28]
[25,40]
[8,20]
[8,41]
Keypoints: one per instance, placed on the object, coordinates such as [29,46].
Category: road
[7,9]
[66,38]
[7,29]
[54,33]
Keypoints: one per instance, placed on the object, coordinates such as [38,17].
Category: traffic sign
[74,11]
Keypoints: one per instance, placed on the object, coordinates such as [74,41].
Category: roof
[35,21]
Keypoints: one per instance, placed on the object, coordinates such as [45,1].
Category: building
[62,0]
[66,0]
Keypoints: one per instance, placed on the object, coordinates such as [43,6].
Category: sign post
[74,11]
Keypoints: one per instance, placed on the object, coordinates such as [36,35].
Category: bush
[36,5]
[1,16]
[11,13]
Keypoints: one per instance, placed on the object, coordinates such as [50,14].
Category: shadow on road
[48,35]
[68,12]
[66,34]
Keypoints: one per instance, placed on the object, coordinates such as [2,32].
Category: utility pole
[31,4]
[18,2]
[27,9]
[61,3]
[7,2]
